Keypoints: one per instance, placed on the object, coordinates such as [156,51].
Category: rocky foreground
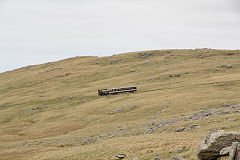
[219,145]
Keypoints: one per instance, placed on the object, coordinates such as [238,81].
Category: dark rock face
[211,146]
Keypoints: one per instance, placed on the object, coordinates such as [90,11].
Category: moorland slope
[52,110]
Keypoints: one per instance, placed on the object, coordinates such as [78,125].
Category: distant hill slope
[52,111]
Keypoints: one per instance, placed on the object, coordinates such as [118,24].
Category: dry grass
[171,83]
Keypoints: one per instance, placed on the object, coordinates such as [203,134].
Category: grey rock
[207,114]
[183,149]
[177,158]
[215,141]
[158,112]
[152,124]
[178,75]
[87,140]
[231,106]
[237,106]
[147,62]
[134,159]
[149,131]
[134,107]
[180,129]
[38,108]
[145,55]
[227,112]
[226,104]
[212,112]
[226,66]
[111,136]
[133,70]
[120,110]
[164,130]
[193,125]
[120,156]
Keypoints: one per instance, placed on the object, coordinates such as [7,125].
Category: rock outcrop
[211,147]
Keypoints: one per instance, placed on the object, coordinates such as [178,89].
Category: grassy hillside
[52,111]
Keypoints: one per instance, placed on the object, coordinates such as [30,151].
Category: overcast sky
[39,31]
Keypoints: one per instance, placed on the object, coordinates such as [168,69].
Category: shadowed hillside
[52,111]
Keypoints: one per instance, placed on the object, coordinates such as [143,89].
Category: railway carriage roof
[123,87]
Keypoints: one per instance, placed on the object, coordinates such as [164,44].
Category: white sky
[39,31]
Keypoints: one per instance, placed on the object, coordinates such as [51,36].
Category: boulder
[211,146]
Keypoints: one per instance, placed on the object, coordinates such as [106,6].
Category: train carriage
[103,92]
